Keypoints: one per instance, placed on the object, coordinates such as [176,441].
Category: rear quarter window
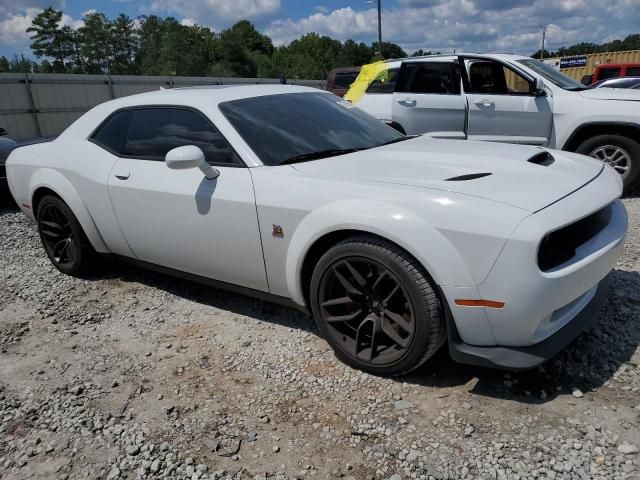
[385,82]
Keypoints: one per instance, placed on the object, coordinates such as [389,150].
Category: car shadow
[606,347]
[588,363]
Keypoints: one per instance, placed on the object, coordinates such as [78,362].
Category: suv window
[385,82]
[495,78]
[344,79]
[611,72]
[633,72]
[429,77]
[149,133]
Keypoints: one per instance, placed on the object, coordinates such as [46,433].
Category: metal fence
[43,104]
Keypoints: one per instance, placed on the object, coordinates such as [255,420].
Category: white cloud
[216,12]
[13,28]
[473,25]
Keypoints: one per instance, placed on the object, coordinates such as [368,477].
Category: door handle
[484,103]
[407,102]
[122,175]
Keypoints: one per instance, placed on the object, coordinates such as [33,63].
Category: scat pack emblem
[277,232]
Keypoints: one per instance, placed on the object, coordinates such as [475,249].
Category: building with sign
[580,65]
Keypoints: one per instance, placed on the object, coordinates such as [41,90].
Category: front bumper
[523,358]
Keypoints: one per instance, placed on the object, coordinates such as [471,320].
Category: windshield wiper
[333,152]
[400,139]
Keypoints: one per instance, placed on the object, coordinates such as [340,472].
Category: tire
[602,147]
[389,292]
[62,237]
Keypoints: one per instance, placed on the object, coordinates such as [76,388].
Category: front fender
[48,178]
[396,224]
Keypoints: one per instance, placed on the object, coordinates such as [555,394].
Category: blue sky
[439,25]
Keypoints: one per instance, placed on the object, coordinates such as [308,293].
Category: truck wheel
[622,153]
[376,306]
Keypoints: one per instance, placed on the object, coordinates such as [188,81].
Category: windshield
[280,128]
[551,74]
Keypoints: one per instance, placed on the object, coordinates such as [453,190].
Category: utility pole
[545,29]
[379,2]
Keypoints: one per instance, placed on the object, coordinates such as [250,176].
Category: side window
[429,77]
[113,133]
[494,78]
[155,131]
[633,72]
[612,72]
[344,79]
[385,82]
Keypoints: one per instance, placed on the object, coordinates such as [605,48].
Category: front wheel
[62,237]
[376,306]
[621,153]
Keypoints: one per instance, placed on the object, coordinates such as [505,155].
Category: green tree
[547,54]
[353,54]
[390,50]
[151,36]
[96,45]
[49,38]
[421,53]
[125,40]
[4,64]
[20,64]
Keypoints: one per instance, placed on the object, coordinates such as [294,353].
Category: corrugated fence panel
[124,85]
[19,125]
[195,81]
[54,123]
[15,106]
[66,92]
[49,103]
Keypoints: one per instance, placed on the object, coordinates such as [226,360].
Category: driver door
[503,105]
[178,218]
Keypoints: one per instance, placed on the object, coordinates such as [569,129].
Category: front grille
[559,247]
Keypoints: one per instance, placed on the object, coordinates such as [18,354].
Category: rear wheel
[62,237]
[375,305]
[621,153]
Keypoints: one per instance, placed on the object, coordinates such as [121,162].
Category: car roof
[215,93]
[619,80]
[201,98]
[449,57]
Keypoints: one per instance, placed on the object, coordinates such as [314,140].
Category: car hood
[529,178]
[605,93]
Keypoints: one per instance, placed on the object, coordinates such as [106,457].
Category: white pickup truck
[505,98]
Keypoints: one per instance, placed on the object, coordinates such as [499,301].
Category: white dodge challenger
[395,244]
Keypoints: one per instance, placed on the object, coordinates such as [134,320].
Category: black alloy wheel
[62,236]
[367,309]
[376,307]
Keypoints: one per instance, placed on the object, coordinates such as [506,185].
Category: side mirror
[3,132]
[539,87]
[190,156]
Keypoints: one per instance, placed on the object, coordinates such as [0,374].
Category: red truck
[612,70]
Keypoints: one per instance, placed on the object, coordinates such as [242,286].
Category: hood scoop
[543,158]
[470,176]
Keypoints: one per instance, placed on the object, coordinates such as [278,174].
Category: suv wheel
[621,153]
[62,236]
[375,305]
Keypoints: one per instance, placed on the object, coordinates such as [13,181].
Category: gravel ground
[131,374]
